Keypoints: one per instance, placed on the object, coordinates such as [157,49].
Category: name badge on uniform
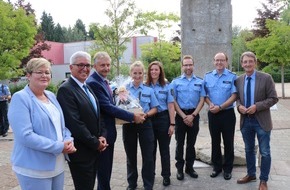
[146,95]
[197,84]
[162,92]
[227,82]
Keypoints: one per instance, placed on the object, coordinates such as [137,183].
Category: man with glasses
[256,94]
[82,116]
[189,99]
[99,83]
[221,95]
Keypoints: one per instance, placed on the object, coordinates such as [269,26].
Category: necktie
[91,98]
[248,103]
[108,87]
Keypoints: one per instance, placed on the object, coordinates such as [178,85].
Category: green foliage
[275,71]
[275,47]
[17,31]
[239,41]
[15,87]
[167,53]
[47,26]
[124,22]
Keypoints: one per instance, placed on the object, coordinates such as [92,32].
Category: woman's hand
[69,147]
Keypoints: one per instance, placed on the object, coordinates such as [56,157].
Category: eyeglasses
[82,66]
[188,65]
[40,73]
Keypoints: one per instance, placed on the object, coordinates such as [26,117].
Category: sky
[66,12]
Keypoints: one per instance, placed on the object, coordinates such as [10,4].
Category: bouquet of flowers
[122,97]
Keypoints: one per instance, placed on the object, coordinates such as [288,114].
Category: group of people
[78,124]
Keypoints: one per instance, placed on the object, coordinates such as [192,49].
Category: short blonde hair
[35,63]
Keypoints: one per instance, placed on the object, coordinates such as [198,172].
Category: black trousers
[84,173]
[222,124]
[144,133]
[161,123]
[182,131]
[4,124]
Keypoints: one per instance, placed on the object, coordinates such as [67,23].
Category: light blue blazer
[35,140]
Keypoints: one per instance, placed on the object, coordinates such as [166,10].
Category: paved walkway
[279,176]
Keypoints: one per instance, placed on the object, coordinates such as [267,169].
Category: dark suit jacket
[265,97]
[108,109]
[81,119]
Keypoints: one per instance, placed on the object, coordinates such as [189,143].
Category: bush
[16,87]
[275,72]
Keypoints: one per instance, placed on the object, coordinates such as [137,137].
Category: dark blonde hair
[161,78]
[35,63]
[137,64]
[187,57]
[100,55]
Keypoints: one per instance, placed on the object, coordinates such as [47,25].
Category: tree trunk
[282,81]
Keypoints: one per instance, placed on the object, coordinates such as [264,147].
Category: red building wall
[56,53]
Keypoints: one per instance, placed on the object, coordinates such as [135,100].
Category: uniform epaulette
[177,77]
[199,77]
[208,72]
[232,72]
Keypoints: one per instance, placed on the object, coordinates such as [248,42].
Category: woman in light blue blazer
[41,140]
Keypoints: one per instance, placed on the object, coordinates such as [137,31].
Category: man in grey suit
[256,94]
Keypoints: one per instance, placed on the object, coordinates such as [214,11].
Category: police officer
[144,132]
[221,95]
[163,122]
[5,96]
[189,99]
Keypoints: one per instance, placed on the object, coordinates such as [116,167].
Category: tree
[124,22]
[47,26]
[169,55]
[122,26]
[17,31]
[270,10]
[275,47]
[58,35]
[240,38]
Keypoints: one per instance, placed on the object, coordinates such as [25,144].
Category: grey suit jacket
[265,97]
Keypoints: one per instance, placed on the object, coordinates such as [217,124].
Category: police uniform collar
[184,76]
[131,85]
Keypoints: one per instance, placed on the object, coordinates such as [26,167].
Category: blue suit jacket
[108,109]
[35,140]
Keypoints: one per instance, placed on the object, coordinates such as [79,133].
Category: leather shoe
[246,179]
[191,173]
[263,185]
[166,181]
[180,175]
[4,134]
[130,188]
[215,173]
[227,176]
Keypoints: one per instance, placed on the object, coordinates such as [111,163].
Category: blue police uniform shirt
[220,88]
[145,95]
[253,81]
[4,91]
[163,95]
[187,92]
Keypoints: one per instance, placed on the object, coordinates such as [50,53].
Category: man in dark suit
[82,117]
[256,94]
[99,84]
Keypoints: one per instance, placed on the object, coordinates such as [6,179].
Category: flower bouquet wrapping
[122,97]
